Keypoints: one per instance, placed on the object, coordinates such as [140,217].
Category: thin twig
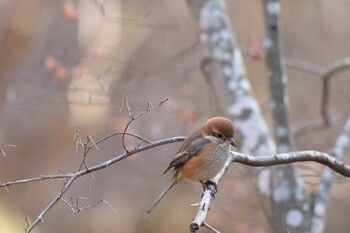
[86,150]
[87,147]
[120,133]
[107,203]
[74,205]
[132,118]
[93,142]
[4,146]
[77,140]
[35,179]
[132,22]
[210,228]
[27,222]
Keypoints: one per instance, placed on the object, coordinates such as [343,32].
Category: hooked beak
[232,142]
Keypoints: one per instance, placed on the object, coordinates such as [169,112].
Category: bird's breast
[206,165]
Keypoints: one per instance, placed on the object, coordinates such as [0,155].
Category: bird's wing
[190,148]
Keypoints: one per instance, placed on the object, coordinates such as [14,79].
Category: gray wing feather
[190,148]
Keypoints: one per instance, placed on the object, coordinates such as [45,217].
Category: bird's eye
[219,135]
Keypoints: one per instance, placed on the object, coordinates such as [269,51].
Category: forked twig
[74,204]
[132,117]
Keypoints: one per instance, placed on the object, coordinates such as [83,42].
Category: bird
[202,155]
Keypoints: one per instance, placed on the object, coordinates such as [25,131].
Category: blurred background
[68,65]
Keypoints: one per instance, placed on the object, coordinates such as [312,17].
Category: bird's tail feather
[173,181]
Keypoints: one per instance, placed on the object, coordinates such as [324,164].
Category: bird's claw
[210,185]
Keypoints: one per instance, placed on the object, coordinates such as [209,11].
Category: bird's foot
[210,185]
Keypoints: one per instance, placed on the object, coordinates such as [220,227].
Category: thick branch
[264,161]
[292,157]
[208,194]
[202,210]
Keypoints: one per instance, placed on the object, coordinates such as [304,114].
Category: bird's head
[219,130]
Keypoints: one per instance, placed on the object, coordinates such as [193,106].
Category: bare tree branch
[235,157]
[73,176]
[86,149]
[263,161]
[69,178]
[119,133]
[292,157]
[46,210]
[202,210]
[208,193]
[74,205]
[66,176]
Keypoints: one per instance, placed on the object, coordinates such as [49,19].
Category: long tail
[173,181]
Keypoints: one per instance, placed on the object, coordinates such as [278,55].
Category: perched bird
[202,155]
